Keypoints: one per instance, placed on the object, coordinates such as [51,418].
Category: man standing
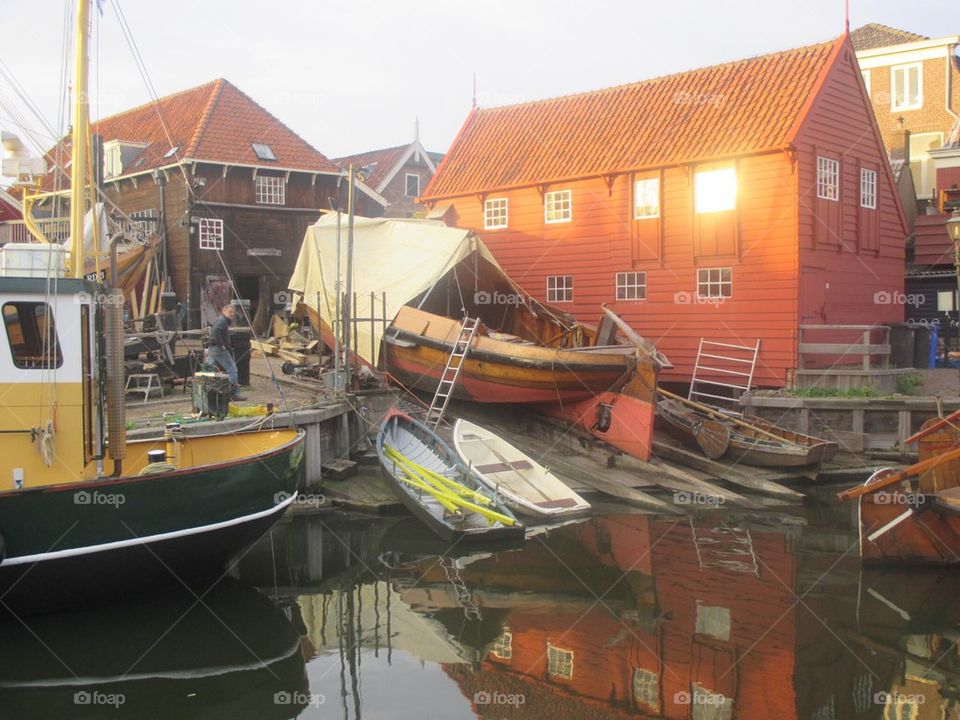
[221,348]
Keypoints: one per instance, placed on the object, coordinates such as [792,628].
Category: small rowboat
[437,487]
[526,486]
[754,442]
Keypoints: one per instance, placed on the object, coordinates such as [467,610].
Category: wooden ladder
[451,373]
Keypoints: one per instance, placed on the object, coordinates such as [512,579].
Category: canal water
[620,615]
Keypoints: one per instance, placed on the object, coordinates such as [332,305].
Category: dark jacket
[220,333]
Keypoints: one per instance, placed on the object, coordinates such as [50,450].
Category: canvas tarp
[399,257]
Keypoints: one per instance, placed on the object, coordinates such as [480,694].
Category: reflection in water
[233,654]
[614,616]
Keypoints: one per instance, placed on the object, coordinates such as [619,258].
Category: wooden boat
[751,442]
[526,486]
[412,456]
[912,516]
[82,517]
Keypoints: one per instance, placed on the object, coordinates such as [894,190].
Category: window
[631,286]
[866,79]
[906,87]
[503,646]
[558,206]
[715,190]
[495,214]
[211,234]
[32,335]
[709,705]
[713,621]
[828,178]
[413,185]
[560,288]
[143,223]
[263,151]
[714,283]
[171,152]
[868,188]
[646,689]
[646,198]
[945,301]
[559,662]
[270,190]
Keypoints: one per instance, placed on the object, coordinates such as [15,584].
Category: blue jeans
[222,357]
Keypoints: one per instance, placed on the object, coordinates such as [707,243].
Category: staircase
[451,372]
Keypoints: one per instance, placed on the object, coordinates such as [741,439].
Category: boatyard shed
[736,203]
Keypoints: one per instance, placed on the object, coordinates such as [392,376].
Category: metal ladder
[451,373]
[735,363]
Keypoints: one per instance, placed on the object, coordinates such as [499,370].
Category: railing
[860,351]
[56,230]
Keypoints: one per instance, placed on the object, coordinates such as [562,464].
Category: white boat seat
[503,467]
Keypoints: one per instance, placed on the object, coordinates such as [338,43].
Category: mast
[80,139]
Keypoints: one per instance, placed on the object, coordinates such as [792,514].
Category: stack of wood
[286,343]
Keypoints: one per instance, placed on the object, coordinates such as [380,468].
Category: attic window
[171,152]
[413,184]
[263,151]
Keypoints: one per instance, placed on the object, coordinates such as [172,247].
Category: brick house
[398,174]
[734,202]
[914,86]
[228,187]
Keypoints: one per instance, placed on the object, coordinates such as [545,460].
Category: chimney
[906,147]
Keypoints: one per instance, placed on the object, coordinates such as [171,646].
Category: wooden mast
[80,140]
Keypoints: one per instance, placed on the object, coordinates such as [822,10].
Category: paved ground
[944,382]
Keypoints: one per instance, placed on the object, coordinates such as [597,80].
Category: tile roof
[721,111]
[382,161]
[9,207]
[875,35]
[215,122]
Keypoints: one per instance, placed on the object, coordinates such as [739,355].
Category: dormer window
[119,157]
[263,151]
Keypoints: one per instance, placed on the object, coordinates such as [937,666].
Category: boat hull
[73,543]
[930,535]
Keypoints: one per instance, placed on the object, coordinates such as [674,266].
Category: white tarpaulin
[399,257]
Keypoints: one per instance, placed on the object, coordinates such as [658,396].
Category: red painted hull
[930,535]
[631,421]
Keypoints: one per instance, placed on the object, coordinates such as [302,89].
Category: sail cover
[396,258]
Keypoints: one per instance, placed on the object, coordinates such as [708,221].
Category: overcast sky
[353,75]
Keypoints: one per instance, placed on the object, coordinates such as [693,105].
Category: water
[620,615]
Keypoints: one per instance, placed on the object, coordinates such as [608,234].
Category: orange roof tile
[215,122]
[383,162]
[875,35]
[726,110]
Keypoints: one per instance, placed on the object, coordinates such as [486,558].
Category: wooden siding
[601,241]
[931,243]
[849,268]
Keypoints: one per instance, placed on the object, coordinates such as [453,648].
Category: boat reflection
[233,653]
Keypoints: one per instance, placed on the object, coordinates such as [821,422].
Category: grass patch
[817,392]
[909,382]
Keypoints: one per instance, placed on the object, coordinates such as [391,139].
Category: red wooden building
[732,202]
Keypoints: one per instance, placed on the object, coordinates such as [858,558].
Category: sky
[355,75]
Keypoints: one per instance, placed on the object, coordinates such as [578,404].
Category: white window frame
[868,188]
[631,282]
[495,213]
[503,646]
[828,178]
[866,79]
[559,662]
[646,688]
[559,288]
[558,206]
[210,233]
[946,301]
[711,283]
[270,190]
[406,184]
[921,163]
[702,179]
[647,189]
[907,105]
